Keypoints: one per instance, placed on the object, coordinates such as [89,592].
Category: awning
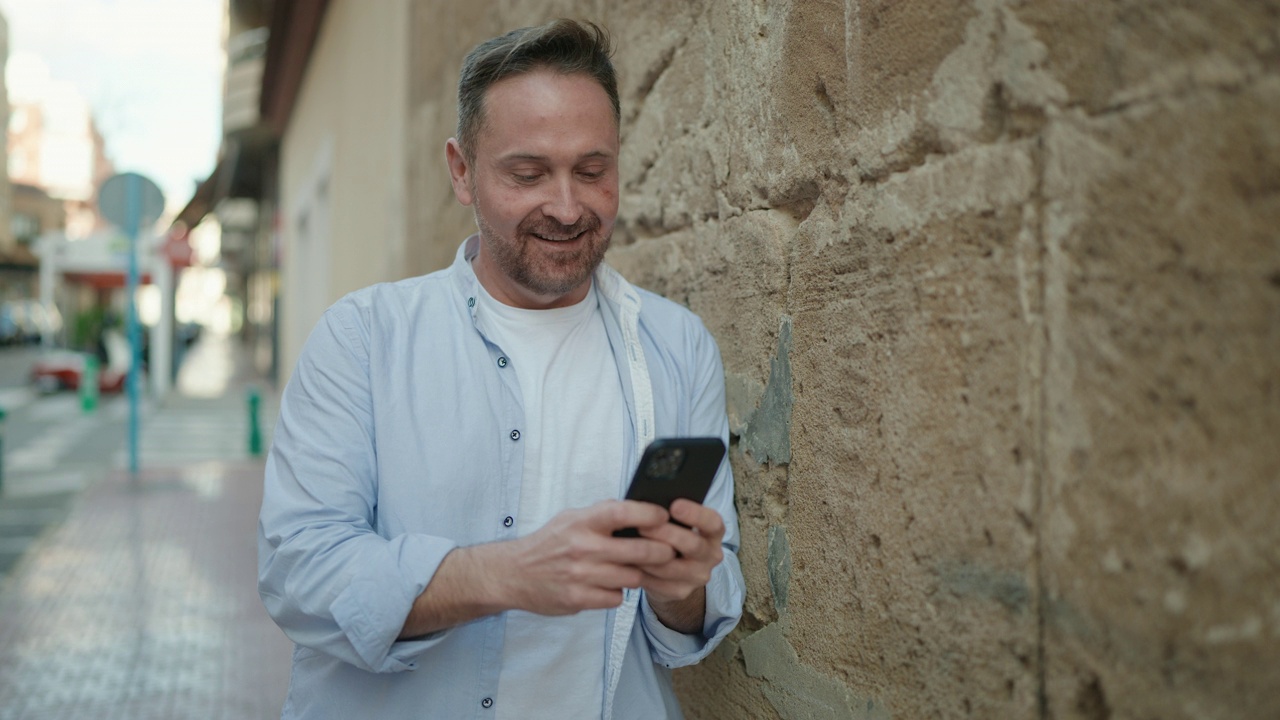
[104,280]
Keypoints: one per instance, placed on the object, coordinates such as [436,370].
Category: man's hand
[676,589]
[572,563]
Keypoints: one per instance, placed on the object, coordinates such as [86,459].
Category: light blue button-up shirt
[398,440]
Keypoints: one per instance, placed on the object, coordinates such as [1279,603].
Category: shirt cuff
[674,649]
[669,645]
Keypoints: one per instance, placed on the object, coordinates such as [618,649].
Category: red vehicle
[64,370]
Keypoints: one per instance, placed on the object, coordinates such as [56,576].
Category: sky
[151,71]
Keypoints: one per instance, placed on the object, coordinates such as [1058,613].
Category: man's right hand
[572,563]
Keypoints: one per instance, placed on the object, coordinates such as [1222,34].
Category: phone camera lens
[666,463]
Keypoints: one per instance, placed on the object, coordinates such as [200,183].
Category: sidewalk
[143,602]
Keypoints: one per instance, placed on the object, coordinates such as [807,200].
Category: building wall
[43,214]
[6,194]
[342,166]
[53,144]
[996,285]
[25,134]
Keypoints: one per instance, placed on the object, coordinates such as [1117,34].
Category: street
[127,595]
[15,363]
[51,450]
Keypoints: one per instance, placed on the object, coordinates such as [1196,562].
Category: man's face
[544,186]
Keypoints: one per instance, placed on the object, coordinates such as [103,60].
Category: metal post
[130,201]
[48,245]
[133,195]
[161,359]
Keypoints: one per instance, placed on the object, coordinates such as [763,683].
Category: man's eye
[525,178]
[591,174]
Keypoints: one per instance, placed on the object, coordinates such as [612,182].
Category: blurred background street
[133,596]
[135,243]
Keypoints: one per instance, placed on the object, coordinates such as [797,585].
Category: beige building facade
[996,287]
[342,166]
[17,271]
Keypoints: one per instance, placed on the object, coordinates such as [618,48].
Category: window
[25,227]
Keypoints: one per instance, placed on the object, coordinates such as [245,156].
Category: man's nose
[563,204]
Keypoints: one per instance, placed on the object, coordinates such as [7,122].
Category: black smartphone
[674,468]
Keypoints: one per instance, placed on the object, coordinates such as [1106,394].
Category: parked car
[64,370]
[27,321]
[10,324]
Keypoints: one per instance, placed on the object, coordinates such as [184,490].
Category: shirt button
[515,434]
[508,521]
[486,703]
[502,362]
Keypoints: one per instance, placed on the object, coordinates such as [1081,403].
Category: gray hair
[564,46]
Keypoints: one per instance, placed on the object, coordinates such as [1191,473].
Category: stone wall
[997,286]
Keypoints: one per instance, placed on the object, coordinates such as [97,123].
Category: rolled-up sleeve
[726,590]
[327,578]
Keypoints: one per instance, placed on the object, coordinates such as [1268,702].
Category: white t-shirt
[553,667]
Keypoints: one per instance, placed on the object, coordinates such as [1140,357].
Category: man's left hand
[676,589]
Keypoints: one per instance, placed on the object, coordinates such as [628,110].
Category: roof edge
[295,26]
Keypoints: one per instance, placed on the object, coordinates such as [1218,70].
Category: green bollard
[89,385]
[255,427]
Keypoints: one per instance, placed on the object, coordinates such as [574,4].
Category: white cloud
[26,76]
[150,69]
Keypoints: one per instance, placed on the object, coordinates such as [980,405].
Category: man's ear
[459,171]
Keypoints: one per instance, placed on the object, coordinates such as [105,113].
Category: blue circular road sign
[130,201]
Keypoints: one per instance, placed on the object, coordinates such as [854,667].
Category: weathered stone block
[1161,496]
[1026,254]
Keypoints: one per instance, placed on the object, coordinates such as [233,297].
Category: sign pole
[131,201]
[133,221]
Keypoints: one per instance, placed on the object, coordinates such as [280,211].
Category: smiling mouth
[569,238]
[548,230]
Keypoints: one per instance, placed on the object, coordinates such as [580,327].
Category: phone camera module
[666,463]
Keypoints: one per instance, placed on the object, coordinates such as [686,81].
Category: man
[436,529]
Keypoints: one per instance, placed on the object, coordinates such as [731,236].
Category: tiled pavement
[142,603]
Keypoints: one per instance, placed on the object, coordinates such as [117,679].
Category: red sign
[177,249]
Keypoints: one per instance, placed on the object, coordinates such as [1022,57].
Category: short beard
[542,275]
